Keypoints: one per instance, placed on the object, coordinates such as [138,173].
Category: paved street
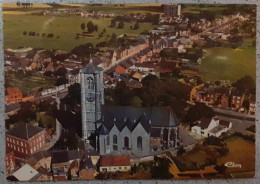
[237,124]
[187,137]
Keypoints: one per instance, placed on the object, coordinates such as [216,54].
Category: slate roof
[91,68]
[204,123]
[121,116]
[63,156]
[155,132]
[24,131]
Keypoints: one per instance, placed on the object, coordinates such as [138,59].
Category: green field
[30,84]
[229,64]
[65,27]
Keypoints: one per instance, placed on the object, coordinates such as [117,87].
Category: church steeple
[92,97]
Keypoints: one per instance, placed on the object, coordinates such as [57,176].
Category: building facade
[25,139]
[123,130]
[92,97]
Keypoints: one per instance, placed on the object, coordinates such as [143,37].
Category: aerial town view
[129,91]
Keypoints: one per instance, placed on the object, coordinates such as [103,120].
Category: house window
[126,142]
[119,168]
[7,139]
[139,143]
[114,139]
[21,143]
[31,150]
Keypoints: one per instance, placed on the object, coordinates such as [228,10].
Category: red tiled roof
[224,123]
[13,90]
[118,160]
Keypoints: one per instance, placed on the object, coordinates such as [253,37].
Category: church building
[117,130]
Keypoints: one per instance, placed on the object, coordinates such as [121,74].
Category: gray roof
[63,156]
[155,132]
[24,131]
[121,116]
[91,68]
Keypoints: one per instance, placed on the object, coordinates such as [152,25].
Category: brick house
[13,95]
[224,102]
[252,105]
[25,139]
[9,161]
[237,100]
[110,163]
[65,163]
[120,69]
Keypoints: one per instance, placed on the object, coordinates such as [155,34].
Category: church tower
[92,97]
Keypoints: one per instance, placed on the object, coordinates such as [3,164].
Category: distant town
[160,91]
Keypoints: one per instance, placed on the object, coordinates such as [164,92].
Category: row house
[72,165]
[237,100]
[25,139]
[125,52]
[73,76]
[252,105]
[13,95]
[9,161]
[143,67]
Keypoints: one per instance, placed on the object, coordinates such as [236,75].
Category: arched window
[108,140]
[139,143]
[114,139]
[126,142]
[90,83]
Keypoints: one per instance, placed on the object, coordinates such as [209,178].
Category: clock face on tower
[90,97]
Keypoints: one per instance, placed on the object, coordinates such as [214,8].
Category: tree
[74,92]
[96,27]
[136,26]
[136,101]
[245,84]
[91,27]
[198,111]
[120,25]
[61,71]
[84,50]
[61,80]
[83,26]
[122,94]
[160,168]
[113,23]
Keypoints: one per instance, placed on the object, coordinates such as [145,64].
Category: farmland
[30,84]
[63,28]
[229,64]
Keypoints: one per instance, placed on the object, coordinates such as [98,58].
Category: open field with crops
[64,30]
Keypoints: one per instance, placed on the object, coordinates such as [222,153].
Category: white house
[113,163]
[211,127]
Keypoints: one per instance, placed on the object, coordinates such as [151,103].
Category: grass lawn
[30,84]
[229,64]
[65,27]
[241,152]
[47,120]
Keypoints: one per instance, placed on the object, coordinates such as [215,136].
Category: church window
[90,83]
[108,140]
[126,140]
[139,143]
[114,139]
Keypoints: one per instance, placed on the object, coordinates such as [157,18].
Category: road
[237,124]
